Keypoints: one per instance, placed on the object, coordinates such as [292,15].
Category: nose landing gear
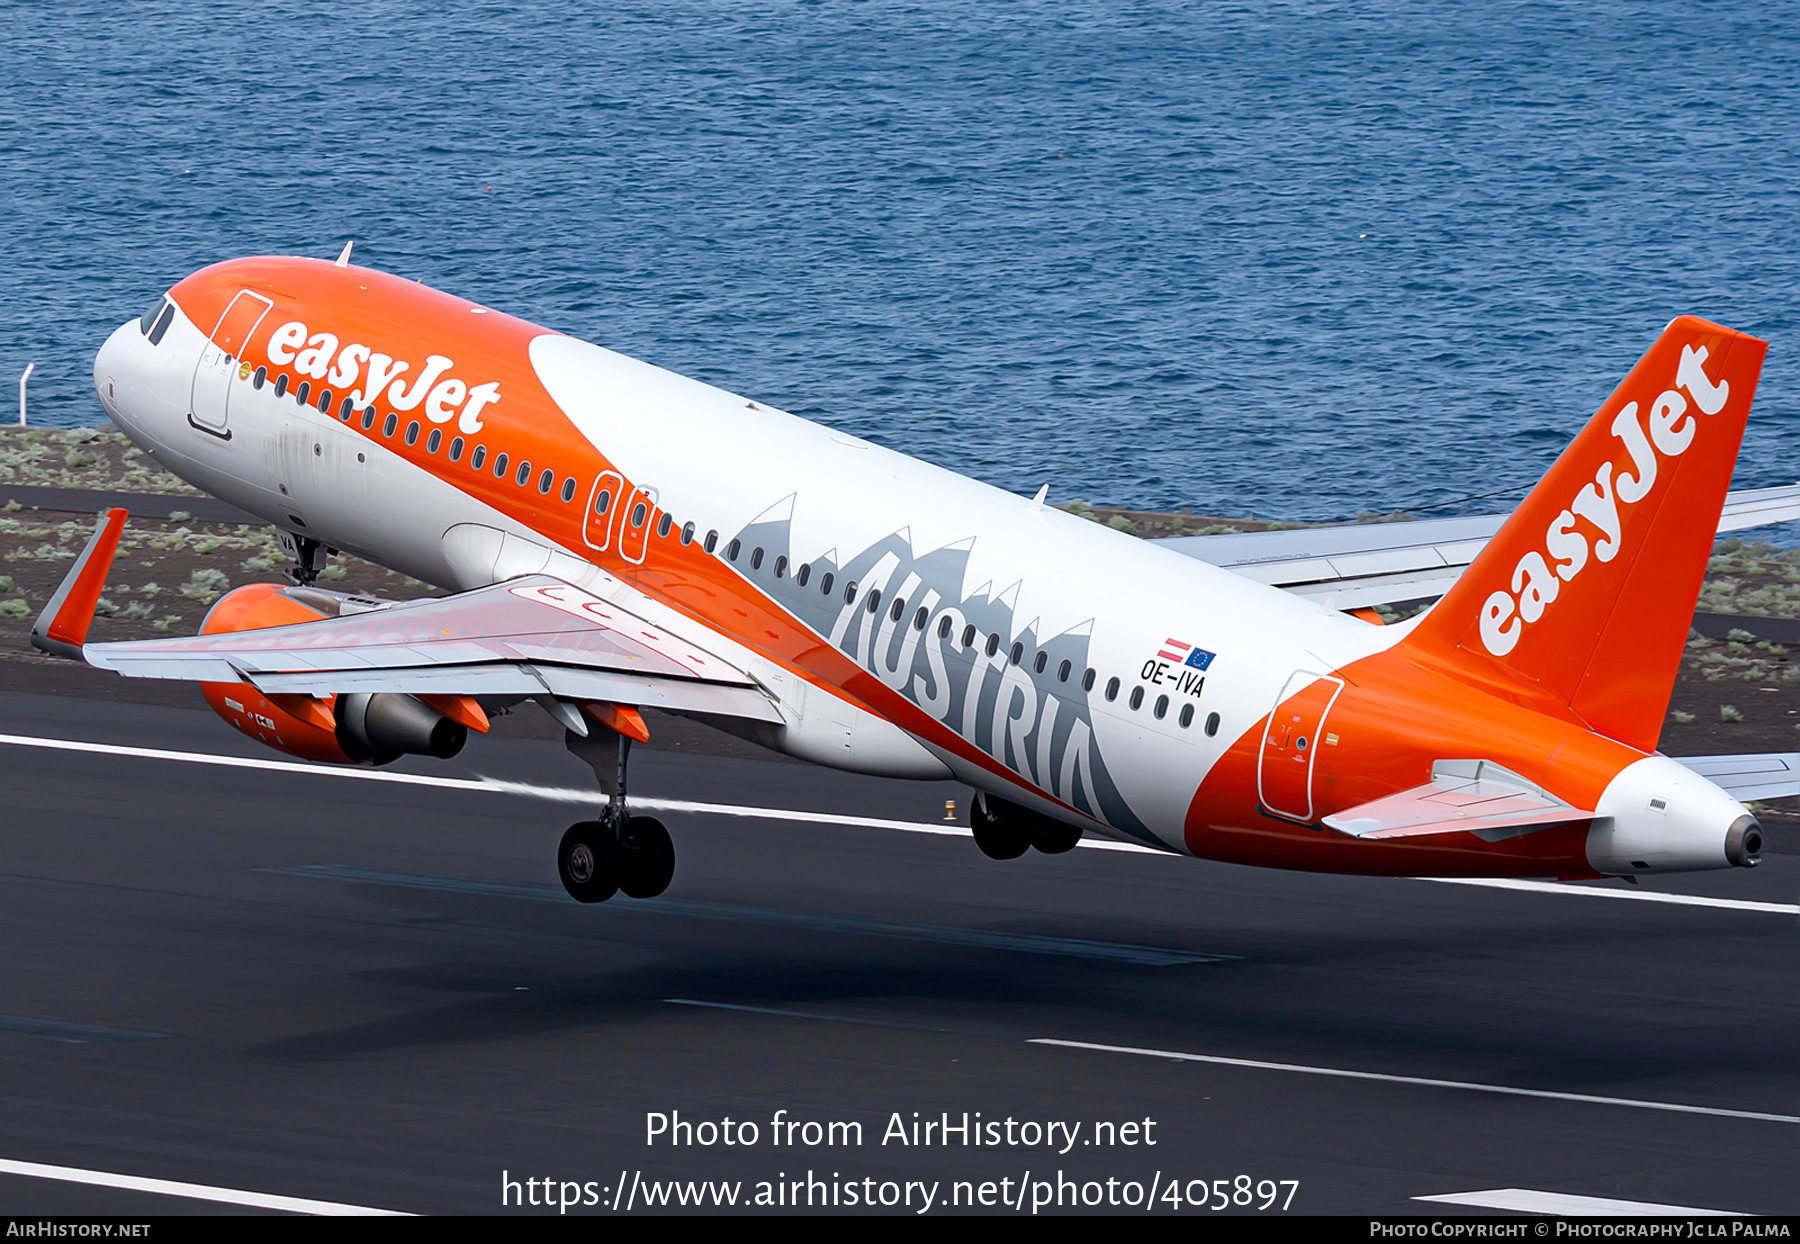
[619,853]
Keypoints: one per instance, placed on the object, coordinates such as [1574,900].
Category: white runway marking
[579,795]
[1528,1201]
[1683,900]
[1421,1081]
[193,1192]
[495,786]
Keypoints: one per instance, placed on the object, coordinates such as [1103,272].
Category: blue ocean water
[1297,259]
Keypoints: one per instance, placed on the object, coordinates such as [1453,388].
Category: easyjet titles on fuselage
[445,397]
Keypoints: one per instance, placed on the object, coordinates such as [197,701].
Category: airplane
[615,537]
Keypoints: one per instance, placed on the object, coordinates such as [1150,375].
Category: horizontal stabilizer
[1764,775]
[1463,797]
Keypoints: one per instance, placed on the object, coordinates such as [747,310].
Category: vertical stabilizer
[1582,602]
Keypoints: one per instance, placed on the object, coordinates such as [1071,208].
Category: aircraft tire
[1000,836]
[1053,837]
[646,858]
[588,862]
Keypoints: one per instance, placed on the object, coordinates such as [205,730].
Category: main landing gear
[1005,831]
[619,853]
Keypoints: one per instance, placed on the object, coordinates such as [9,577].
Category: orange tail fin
[1581,604]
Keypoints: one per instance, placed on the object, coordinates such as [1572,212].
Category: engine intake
[382,726]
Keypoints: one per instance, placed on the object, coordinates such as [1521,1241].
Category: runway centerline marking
[1531,1201]
[1467,1086]
[819,922]
[577,795]
[193,1192]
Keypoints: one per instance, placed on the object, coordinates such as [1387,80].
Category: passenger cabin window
[733,549]
[523,475]
[993,644]
[898,609]
[850,592]
[434,440]
[1087,680]
[639,513]
[568,492]
[825,584]
[687,533]
[1063,671]
[324,400]
[781,566]
[1212,724]
[256,381]
[388,426]
[1043,659]
[944,627]
[1018,652]
[347,411]
[281,385]
[601,502]
[412,432]
[1112,689]
[874,599]
[1187,716]
[803,574]
[547,481]
[712,541]
[662,530]
[301,392]
[478,457]
[1162,707]
[1137,698]
[756,558]
[920,617]
[968,635]
[456,448]
[368,418]
[499,464]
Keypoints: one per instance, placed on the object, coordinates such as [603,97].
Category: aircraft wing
[530,636]
[1463,797]
[1765,775]
[1381,563]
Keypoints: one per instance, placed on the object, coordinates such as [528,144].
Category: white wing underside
[1382,563]
[527,637]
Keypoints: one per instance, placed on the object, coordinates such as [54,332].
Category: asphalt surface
[371,993]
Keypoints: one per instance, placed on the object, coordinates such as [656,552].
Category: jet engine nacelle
[342,729]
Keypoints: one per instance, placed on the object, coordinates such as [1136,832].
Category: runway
[370,993]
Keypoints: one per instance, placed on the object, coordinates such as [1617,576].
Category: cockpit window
[162,324]
[149,317]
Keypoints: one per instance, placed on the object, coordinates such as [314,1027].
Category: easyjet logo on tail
[1538,577]
[444,396]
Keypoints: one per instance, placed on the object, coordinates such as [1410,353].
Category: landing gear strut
[1005,831]
[619,852]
